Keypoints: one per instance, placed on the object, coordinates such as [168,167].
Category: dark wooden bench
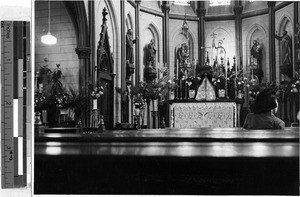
[231,162]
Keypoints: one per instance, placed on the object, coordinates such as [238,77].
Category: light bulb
[49,39]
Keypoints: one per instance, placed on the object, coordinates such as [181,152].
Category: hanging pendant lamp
[48,38]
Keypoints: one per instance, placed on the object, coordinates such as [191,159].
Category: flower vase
[172,95]
[137,111]
[44,116]
[221,93]
[95,102]
[192,93]
[240,94]
[37,118]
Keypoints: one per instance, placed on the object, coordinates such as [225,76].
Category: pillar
[124,107]
[166,35]
[201,34]
[166,45]
[84,76]
[238,35]
[137,43]
[272,61]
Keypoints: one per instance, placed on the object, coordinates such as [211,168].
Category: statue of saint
[286,43]
[151,53]
[256,52]
[221,52]
[129,47]
[257,56]
[286,66]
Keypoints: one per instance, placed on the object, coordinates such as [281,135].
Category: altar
[199,114]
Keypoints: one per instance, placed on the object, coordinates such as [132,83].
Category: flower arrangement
[79,102]
[40,100]
[61,100]
[152,91]
[138,101]
[97,92]
[295,83]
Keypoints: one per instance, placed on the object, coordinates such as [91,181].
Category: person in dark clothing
[263,117]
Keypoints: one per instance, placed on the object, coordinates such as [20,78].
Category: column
[124,108]
[166,46]
[166,41]
[137,43]
[296,22]
[84,75]
[201,34]
[238,32]
[272,61]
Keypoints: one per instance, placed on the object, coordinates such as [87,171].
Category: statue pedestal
[150,74]
[129,70]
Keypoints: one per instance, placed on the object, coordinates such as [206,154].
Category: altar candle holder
[177,90]
[180,88]
[226,90]
[235,80]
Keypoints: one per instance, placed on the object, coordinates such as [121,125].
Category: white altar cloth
[203,114]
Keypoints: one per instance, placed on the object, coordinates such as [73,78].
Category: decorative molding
[151,11]
[255,13]
[182,17]
[282,5]
[132,3]
[219,18]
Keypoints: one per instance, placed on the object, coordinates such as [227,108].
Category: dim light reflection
[53,150]
[53,143]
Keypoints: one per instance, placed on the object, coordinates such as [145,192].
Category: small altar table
[196,114]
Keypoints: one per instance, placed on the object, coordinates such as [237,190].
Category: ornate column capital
[238,9]
[165,7]
[201,12]
[83,52]
[271,3]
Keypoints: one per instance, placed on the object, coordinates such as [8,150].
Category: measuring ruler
[13,132]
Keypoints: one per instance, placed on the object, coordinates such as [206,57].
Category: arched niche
[258,33]
[78,14]
[150,32]
[128,21]
[285,23]
[225,37]
[176,40]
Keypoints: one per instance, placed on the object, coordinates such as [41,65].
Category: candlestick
[180,85]
[236,73]
[226,92]
[177,68]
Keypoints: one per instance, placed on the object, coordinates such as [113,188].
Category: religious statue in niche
[220,51]
[129,53]
[286,66]
[150,58]
[183,57]
[256,59]
[151,53]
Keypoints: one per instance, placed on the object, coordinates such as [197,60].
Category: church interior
[152,97]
